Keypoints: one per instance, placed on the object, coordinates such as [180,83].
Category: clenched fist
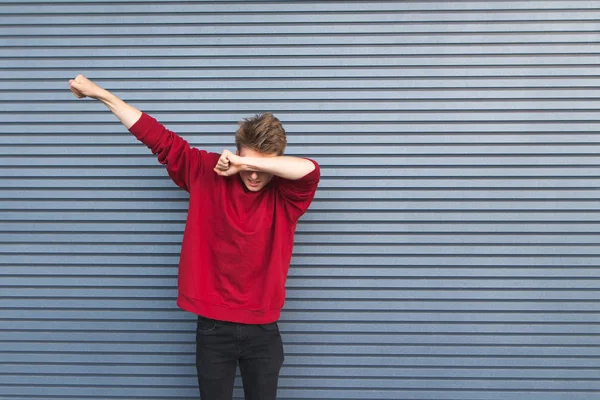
[83,87]
[228,164]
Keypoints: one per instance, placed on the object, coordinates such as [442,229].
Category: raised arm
[182,161]
[83,87]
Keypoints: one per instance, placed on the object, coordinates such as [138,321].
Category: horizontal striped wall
[451,252]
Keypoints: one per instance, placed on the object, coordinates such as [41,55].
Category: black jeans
[221,345]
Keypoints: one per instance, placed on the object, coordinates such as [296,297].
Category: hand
[229,164]
[83,87]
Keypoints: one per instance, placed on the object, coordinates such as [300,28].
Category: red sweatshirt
[237,244]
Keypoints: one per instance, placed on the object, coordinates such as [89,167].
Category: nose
[254,176]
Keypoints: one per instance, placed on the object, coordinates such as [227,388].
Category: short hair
[263,133]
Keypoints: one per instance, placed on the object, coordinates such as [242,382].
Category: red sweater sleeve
[183,162]
[299,193]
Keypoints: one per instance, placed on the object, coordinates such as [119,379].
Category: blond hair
[263,133]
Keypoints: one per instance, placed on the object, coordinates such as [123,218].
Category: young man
[237,243]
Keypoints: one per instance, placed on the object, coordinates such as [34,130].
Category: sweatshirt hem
[224,313]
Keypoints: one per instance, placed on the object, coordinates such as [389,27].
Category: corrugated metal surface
[451,252]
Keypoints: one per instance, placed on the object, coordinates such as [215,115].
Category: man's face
[255,181]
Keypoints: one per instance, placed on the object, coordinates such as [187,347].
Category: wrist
[251,164]
[103,95]
[245,163]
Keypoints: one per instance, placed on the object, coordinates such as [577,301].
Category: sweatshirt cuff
[147,131]
[314,175]
[141,125]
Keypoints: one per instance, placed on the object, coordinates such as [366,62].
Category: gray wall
[452,249]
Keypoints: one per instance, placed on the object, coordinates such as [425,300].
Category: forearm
[83,87]
[127,114]
[284,166]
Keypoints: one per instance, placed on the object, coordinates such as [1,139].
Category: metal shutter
[451,252]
